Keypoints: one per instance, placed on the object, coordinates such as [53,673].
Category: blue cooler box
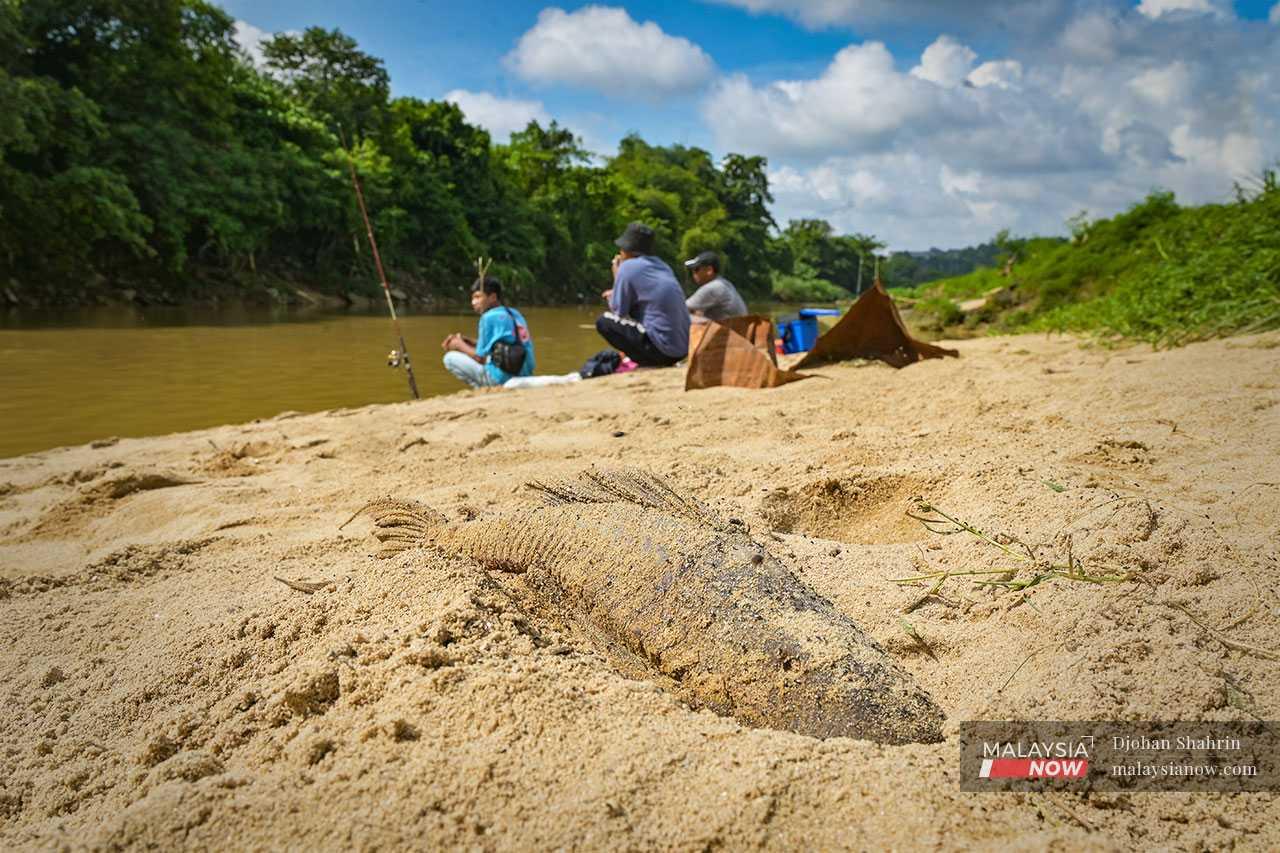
[800,333]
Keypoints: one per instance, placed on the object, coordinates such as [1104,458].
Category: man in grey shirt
[715,299]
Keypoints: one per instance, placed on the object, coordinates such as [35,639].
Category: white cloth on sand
[541,381]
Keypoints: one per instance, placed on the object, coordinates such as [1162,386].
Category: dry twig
[308,587]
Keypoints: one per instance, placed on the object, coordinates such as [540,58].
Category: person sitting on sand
[647,318]
[716,298]
[503,348]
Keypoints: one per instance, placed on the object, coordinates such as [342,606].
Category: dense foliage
[908,269]
[1159,272]
[141,149]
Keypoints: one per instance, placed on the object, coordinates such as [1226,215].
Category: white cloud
[500,116]
[862,104]
[1001,73]
[1274,17]
[1093,35]
[925,206]
[1234,154]
[945,62]
[858,102]
[1157,8]
[1163,86]
[832,185]
[603,48]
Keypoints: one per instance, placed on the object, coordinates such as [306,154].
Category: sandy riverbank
[160,687]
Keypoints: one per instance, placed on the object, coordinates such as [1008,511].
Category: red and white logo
[1034,768]
[1048,759]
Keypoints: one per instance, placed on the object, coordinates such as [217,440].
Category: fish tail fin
[400,525]
[628,485]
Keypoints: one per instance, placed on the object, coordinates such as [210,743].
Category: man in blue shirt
[503,333]
[647,318]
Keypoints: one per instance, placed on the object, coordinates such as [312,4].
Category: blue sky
[926,123]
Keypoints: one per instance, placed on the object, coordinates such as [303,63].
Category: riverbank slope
[162,687]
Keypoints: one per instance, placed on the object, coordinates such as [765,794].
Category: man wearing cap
[716,298]
[647,318]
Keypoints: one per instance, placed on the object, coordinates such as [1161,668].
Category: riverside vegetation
[1159,272]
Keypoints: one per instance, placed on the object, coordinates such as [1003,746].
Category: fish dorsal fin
[630,486]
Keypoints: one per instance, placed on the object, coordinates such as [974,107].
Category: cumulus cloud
[1094,35]
[861,100]
[500,116]
[1156,8]
[1165,86]
[954,146]
[945,62]
[1001,73]
[603,48]
[862,103]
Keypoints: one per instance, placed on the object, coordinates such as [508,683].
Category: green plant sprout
[942,523]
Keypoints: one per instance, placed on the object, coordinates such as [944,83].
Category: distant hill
[908,269]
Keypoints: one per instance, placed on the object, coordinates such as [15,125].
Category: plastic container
[800,332]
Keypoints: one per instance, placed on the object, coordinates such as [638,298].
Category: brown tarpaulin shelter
[738,352]
[872,328]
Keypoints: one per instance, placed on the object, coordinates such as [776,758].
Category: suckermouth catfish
[693,597]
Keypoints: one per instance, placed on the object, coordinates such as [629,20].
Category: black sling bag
[510,357]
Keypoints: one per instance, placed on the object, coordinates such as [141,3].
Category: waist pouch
[509,357]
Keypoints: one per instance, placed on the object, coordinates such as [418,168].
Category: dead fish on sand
[693,597]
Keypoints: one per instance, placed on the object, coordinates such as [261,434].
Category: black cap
[704,259]
[637,238]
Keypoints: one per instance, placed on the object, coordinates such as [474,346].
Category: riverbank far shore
[162,687]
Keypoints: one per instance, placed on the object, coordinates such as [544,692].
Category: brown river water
[74,377]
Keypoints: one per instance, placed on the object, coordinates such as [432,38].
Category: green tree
[740,229]
[573,205]
[330,75]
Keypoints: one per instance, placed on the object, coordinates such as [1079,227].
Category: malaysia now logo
[1064,759]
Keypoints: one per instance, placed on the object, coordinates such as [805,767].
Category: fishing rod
[401,356]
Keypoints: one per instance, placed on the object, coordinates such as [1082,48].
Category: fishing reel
[395,359]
